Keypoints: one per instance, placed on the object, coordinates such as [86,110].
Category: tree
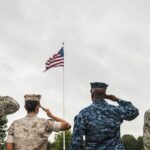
[3,126]
[58,144]
[131,143]
[50,146]
[140,145]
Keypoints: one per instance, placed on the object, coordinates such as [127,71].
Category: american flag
[56,61]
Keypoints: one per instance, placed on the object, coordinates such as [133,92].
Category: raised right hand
[111,97]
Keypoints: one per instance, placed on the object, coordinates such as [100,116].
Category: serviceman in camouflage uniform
[100,122]
[32,132]
[146,130]
[8,105]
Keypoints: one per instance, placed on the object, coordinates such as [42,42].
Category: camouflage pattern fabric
[31,132]
[100,123]
[146,130]
[8,105]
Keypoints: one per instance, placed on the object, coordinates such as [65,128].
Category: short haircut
[31,105]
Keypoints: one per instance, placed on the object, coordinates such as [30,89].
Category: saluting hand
[64,124]
[111,97]
[48,112]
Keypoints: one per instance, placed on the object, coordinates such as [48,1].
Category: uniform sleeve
[10,136]
[126,110]
[78,133]
[56,126]
[146,131]
[53,126]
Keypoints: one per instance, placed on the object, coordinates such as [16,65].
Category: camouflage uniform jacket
[100,123]
[31,132]
[146,130]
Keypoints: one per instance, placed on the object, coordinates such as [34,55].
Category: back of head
[31,102]
[98,90]
[31,105]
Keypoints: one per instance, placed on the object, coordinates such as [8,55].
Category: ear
[37,108]
[92,95]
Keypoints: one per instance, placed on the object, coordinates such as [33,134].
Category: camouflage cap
[99,85]
[32,97]
[8,105]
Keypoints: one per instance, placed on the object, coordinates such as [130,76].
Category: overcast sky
[106,41]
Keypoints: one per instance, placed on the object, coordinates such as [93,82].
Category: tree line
[130,142]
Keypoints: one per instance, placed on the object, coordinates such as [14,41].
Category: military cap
[98,85]
[8,105]
[32,97]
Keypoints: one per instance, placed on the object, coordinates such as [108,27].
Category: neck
[99,97]
[32,113]
[98,101]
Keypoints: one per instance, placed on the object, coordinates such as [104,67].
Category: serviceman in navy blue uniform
[100,122]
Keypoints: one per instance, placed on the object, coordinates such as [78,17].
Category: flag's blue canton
[61,52]
[100,123]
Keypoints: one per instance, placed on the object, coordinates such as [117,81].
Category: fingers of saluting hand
[46,110]
[112,97]
[43,108]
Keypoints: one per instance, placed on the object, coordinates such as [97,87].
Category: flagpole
[49,64]
[64,144]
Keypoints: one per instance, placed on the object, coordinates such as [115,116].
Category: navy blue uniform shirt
[100,123]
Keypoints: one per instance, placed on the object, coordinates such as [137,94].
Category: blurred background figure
[8,105]
[146,130]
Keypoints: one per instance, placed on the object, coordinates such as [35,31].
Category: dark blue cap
[98,85]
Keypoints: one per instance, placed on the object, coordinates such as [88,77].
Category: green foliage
[3,126]
[58,144]
[140,143]
[50,146]
[131,143]
[2,147]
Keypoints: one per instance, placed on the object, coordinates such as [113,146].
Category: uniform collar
[99,101]
[31,115]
